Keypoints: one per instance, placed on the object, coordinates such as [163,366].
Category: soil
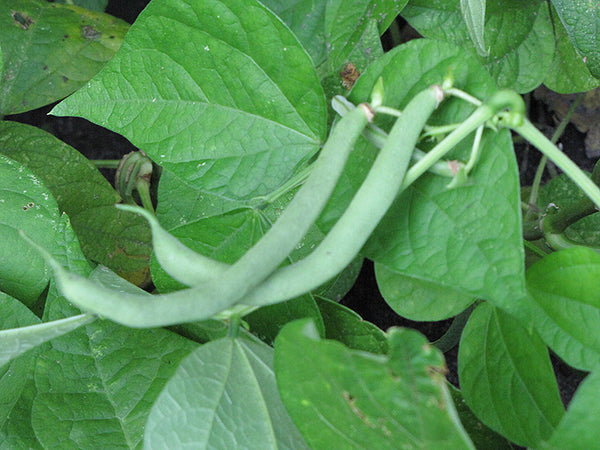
[98,143]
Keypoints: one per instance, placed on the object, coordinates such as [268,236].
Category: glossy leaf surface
[519,36]
[581,20]
[331,30]
[340,398]
[568,72]
[563,289]
[506,377]
[107,236]
[50,50]
[27,205]
[96,384]
[223,395]
[15,381]
[221,94]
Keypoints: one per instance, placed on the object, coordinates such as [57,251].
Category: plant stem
[543,144]
[535,187]
[451,337]
[235,322]
[106,163]
[501,100]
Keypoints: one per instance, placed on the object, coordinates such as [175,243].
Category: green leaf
[340,398]
[15,381]
[51,50]
[466,239]
[482,436]
[266,322]
[581,21]
[223,395]
[418,299]
[344,325]
[221,94]
[473,12]
[506,377]
[332,30]
[16,341]
[18,432]
[114,238]
[568,72]
[580,426]
[563,289]
[519,36]
[26,205]
[96,385]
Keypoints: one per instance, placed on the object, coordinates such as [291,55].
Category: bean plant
[196,304]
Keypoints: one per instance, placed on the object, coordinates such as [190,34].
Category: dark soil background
[98,143]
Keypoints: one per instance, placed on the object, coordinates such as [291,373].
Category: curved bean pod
[271,250]
[223,289]
[180,262]
[366,209]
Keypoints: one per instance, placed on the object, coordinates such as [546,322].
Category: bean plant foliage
[279,147]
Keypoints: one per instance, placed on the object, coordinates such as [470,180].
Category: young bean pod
[181,262]
[269,252]
[218,289]
[366,209]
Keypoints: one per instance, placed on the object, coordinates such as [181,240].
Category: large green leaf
[221,94]
[96,385]
[331,30]
[466,239]
[568,72]
[506,377]
[563,289]
[223,395]
[580,426]
[117,239]
[26,204]
[15,382]
[581,20]
[50,50]
[518,35]
[340,398]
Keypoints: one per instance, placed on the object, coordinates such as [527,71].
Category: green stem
[451,337]
[543,144]
[535,187]
[378,137]
[106,163]
[292,183]
[534,249]
[235,322]
[499,101]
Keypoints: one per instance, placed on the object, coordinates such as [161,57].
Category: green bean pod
[270,251]
[366,209]
[180,262]
[218,288]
